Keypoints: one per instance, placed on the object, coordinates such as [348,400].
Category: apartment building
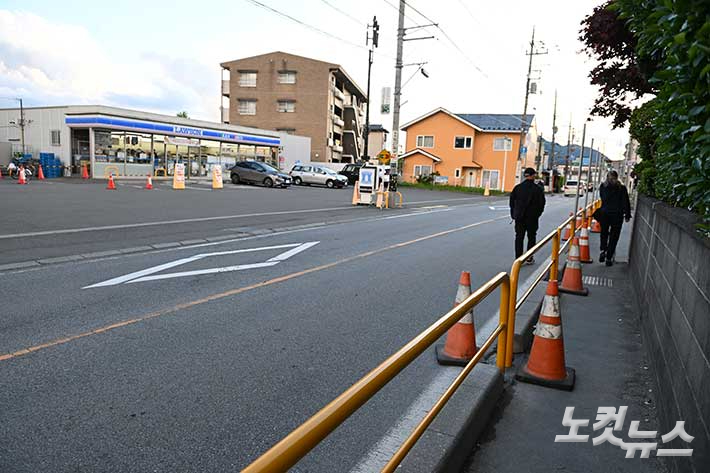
[297,95]
[377,139]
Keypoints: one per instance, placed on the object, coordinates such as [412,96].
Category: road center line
[233,292]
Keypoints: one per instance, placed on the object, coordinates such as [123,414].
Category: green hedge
[673,130]
[446,187]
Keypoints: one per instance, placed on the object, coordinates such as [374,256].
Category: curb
[449,440]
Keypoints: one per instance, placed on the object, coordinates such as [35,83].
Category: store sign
[179,176]
[179,140]
[166,128]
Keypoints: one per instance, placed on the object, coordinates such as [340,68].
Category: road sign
[179,176]
[149,274]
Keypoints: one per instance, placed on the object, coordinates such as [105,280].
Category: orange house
[467,149]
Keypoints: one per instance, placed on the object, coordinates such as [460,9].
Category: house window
[425,141]
[288,131]
[490,176]
[247,78]
[422,170]
[286,106]
[287,77]
[56,139]
[247,107]
[502,144]
[457,173]
[463,142]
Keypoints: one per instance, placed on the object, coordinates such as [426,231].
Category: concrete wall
[671,280]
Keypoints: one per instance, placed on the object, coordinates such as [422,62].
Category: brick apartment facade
[297,95]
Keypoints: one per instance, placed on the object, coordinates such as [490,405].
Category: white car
[320,175]
[570,188]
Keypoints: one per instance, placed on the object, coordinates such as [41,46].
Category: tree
[182,114]
[620,74]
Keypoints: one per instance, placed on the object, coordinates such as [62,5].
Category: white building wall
[38,135]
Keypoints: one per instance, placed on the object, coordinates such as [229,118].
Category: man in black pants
[614,210]
[527,202]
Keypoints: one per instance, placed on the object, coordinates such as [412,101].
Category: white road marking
[145,274]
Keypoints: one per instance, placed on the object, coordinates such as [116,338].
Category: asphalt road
[199,358]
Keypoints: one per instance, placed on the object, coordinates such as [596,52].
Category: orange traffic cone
[40,174]
[596,227]
[21,176]
[84,172]
[460,343]
[356,193]
[572,279]
[149,183]
[566,235]
[546,363]
[584,255]
[487,189]
[111,185]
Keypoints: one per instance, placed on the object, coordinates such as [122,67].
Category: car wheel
[235,179]
[297,181]
[329,184]
[268,182]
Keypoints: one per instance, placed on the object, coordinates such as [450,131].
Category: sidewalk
[603,343]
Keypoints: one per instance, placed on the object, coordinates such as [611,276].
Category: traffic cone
[356,193]
[149,183]
[572,279]
[487,189]
[566,235]
[21,176]
[40,174]
[460,344]
[578,221]
[584,255]
[546,363]
[111,185]
[84,172]
[596,226]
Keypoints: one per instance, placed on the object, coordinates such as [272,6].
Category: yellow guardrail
[298,443]
[304,438]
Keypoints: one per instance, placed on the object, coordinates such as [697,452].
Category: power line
[304,24]
[446,35]
[344,13]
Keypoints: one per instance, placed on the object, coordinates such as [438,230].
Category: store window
[247,152]
[229,154]
[209,154]
[102,146]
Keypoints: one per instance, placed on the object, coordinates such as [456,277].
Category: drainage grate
[597,281]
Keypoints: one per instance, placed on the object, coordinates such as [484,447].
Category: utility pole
[579,176]
[398,80]
[375,40]
[401,31]
[22,127]
[538,158]
[569,138]
[589,174]
[551,162]
[523,130]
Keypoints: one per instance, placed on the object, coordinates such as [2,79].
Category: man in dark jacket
[527,202]
[614,210]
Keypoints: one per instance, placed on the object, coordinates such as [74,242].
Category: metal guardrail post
[512,299]
[503,320]
[555,256]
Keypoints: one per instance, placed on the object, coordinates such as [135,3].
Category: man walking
[527,202]
[614,210]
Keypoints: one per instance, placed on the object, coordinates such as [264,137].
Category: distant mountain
[561,153]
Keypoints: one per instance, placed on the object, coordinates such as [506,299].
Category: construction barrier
[287,452]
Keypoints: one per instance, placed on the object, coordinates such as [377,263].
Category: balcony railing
[338,121]
[225,114]
[225,87]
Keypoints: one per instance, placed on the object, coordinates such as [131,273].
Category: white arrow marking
[145,274]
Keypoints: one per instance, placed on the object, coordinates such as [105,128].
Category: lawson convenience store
[129,143]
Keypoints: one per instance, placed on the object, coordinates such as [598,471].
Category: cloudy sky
[164,55]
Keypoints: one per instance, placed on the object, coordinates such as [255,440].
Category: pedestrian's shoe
[602,256]
[530,261]
[610,260]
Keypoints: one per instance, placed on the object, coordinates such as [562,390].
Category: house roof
[422,152]
[481,121]
[377,127]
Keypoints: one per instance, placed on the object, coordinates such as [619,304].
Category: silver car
[319,175]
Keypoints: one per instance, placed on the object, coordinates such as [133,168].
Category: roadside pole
[398,81]
[589,176]
[579,180]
